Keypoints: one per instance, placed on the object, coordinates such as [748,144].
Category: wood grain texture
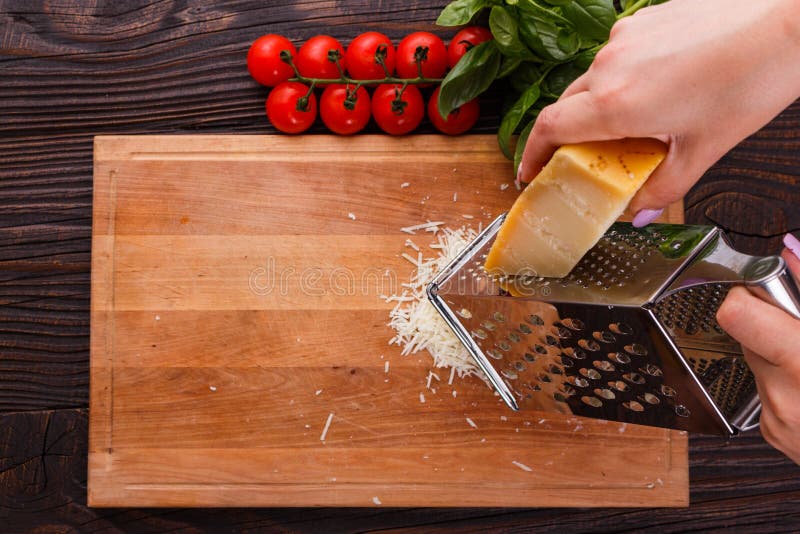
[232,413]
[70,70]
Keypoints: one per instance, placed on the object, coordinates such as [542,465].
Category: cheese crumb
[318,392]
[467,216]
[212,388]
[158,317]
[471,423]
[422,398]
[386,366]
[352,216]
[455,197]
[377,501]
[522,466]
[404,185]
[326,427]
[503,187]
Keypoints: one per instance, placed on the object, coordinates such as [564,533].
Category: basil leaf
[508,66]
[514,116]
[471,76]
[527,74]
[560,77]
[506,33]
[591,18]
[541,35]
[522,140]
[461,12]
[558,2]
[568,42]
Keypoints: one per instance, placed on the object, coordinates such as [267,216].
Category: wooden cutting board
[235,307]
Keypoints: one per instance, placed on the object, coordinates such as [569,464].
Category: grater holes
[499,317]
[503,345]
[592,401]
[619,357]
[525,329]
[578,381]
[480,334]
[682,411]
[562,332]
[566,361]
[494,354]
[465,313]
[529,357]
[605,393]
[568,390]
[619,385]
[604,365]
[544,377]
[558,396]
[636,349]
[573,324]
[514,337]
[510,374]
[634,406]
[589,344]
[668,391]
[634,378]
[590,373]
[488,325]
[539,349]
[550,340]
[651,399]
[535,320]
[519,366]
[554,369]
[603,336]
[576,353]
[621,328]
[652,370]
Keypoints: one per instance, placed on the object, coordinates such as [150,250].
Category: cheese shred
[417,324]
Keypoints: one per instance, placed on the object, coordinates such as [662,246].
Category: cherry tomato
[361,56]
[312,59]
[464,40]
[282,107]
[435,62]
[397,117]
[460,119]
[344,110]
[264,60]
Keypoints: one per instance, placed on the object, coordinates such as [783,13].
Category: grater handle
[769,278]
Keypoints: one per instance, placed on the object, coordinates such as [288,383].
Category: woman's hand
[699,75]
[770,338]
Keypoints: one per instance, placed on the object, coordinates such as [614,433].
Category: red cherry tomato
[361,56]
[312,59]
[435,62]
[460,119]
[264,60]
[344,110]
[285,110]
[397,117]
[464,40]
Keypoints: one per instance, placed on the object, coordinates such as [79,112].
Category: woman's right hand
[699,75]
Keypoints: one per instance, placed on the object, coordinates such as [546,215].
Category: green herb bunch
[539,47]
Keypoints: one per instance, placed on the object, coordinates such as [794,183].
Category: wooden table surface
[72,69]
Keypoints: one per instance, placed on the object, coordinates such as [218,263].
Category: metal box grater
[629,335]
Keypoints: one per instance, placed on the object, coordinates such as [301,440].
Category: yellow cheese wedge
[568,207]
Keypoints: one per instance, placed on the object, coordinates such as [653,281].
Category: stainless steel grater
[629,335]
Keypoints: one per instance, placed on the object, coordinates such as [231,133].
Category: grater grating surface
[626,336]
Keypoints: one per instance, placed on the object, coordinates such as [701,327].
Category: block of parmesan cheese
[568,207]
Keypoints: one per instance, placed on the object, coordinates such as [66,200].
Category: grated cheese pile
[417,324]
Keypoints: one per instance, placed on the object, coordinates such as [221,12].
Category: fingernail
[793,244]
[646,216]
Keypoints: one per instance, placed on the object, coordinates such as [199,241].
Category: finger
[579,85]
[575,119]
[792,255]
[759,326]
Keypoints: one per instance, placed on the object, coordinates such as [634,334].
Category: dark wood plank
[70,69]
